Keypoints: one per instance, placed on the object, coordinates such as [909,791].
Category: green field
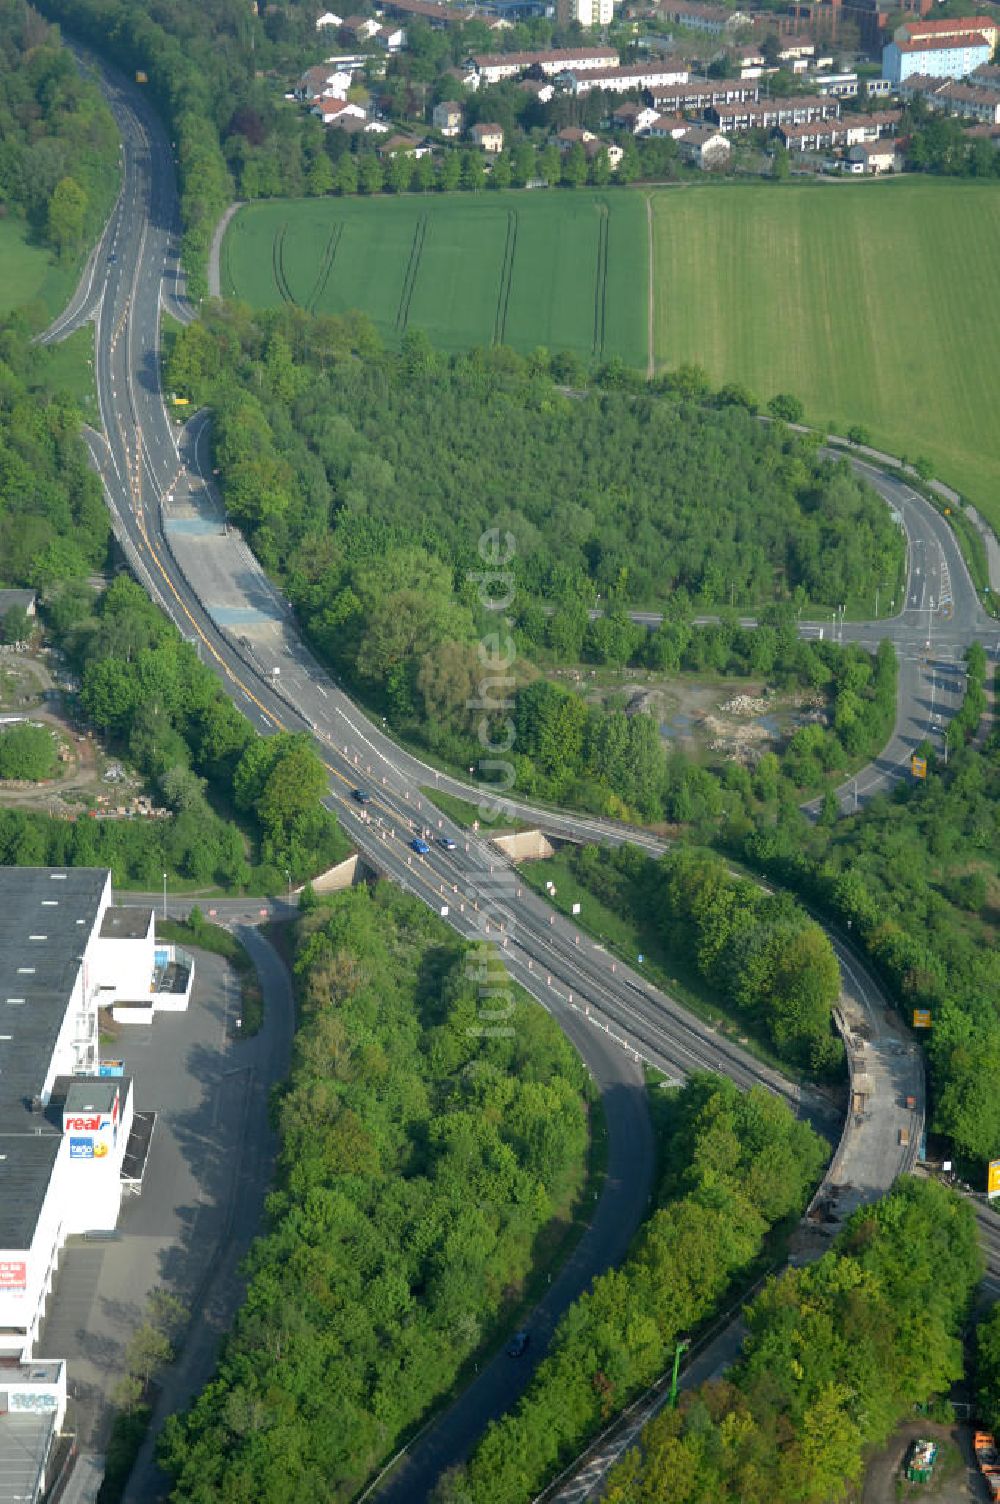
[522,269]
[31,273]
[873,302]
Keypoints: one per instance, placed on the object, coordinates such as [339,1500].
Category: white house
[328,19]
[494,67]
[618,80]
[705,147]
[488,135]
[874,157]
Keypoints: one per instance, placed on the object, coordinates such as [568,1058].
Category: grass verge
[465,814]
[631,940]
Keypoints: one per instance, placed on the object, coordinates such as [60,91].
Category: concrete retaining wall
[525,846]
[346,873]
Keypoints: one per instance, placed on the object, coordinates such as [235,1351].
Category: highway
[170,524]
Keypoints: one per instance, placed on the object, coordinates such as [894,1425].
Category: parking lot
[208,1168]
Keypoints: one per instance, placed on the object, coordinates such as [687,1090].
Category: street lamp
[289,877]
[164,898]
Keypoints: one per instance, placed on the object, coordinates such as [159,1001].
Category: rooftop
[564,55]
[125,923]
[944,44]
[26,1439]
[47,916]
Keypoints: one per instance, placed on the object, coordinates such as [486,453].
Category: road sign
[993,1179]
[140,77]
[918,766]
[921,1018]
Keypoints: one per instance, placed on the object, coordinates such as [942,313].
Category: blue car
[419,846]
[360,796]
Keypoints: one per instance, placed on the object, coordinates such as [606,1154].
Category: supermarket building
[71,1140]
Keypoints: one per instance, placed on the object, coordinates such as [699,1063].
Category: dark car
[420,846]
[361,796]
[446,843]
[518,1344]
[112,258]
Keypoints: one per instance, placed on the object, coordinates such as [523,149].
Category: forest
[140,683]
[759,951]
[366,486]
[736,1164]
[838,1353]
[58,139]
[421,1158]
[614,493]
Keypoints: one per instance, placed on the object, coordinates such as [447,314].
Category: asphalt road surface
[170,524]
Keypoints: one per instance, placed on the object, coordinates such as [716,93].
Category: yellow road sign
[993,1178]
[921,1018]
[918,766]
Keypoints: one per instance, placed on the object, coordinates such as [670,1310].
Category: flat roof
[91,1094]
[25,1439]
[27,1160]
[47,915]
[120,923]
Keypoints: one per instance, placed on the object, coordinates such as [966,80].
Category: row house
[494,67]
[647,76]
[703,94]
[819,135]
[774,112]
[716,20]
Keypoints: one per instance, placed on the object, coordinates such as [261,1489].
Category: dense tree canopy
[838,1353]
[607,492]
[58,141]
[421,1154]
[735,1165]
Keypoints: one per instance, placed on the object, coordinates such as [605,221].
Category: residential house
[766,114]
[591,12]
[573,135]
[703,94]
[818,135]
[328,19]
[335,111]
[435,14]
[467,76]
[391,38]
[542,91]
[967,30]
[21,600]
[875,157]
[968,102]
[493,68]
[397,143]
[618,80]
[837,85]
[990,133]
[716,20]
[875,87]
[986,77]
[324,81]
[662,126]
[448,118]
[633,117]
[361,28]
[870,127]
[945,57]
[704,147]
[487,135]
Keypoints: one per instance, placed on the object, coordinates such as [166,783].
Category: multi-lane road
[170,524]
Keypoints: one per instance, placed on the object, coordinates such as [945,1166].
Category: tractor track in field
[506,272]
[412,267]
[650,359]
[278,264]
[326,267]
[601,281]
